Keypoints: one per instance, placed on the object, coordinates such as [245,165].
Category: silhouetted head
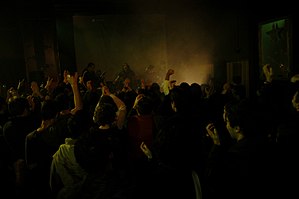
[126,67]
[18,106]
[105,111]
[90,66]
[49,109]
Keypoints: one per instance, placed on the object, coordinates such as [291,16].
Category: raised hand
[49,83]
[212,133]
[169,73]
[295,78]
[146,150]
[137,99]
[105,90]
[73,79]
[21,84]
[268,72]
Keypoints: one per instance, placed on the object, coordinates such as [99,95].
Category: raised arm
[73,81]
[122,109]
[166,82]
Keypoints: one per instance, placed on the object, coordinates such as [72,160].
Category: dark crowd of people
[84,137]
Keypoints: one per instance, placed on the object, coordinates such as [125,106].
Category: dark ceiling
[115,6]
[45,8]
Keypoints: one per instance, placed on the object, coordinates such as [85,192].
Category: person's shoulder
[32,135]
[64,150]
[133,118]
[7,124]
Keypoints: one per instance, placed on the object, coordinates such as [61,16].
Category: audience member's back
[100,154]
[19,125]
[286,142]
[176,151]
[140,128]
[15,131]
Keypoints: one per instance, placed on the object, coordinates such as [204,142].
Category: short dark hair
[63,101]
[105,114]
[145,106]
[78,124]
[181,99]
[241,113]
[49,109]
[90,64]
[17,106]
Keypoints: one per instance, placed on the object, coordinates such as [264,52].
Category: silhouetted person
[125,73]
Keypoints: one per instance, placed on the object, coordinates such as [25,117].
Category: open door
[275,46]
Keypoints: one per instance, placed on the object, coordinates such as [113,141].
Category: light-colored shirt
[65,165]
